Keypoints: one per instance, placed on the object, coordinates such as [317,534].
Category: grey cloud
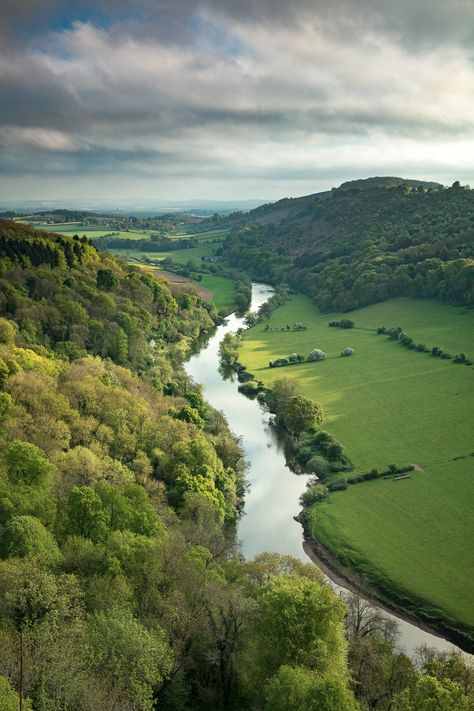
[201,88]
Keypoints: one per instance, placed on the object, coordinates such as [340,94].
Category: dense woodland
[363,243]
[121,584]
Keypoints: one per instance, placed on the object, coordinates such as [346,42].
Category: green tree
[85,514]
[431,694]
[9,699]
[4,373]
[134,659]
[300,414]
[299,622]
[25,536]
[301,689]
[26,464]
[281,392]
[7,331]
[106,279]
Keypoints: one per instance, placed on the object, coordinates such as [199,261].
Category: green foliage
[106,279]
[9,700]
[300,414]
[7,331]
[359,246]
[300,688]
[85,514]
[26,464]
[25,536]
[133,659]
[429,693]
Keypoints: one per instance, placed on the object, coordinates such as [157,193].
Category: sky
[231,99]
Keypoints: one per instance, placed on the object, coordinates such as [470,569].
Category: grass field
[222,290]
[388,404]
[182,256]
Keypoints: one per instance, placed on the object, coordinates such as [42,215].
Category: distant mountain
[363,242]
[145,207]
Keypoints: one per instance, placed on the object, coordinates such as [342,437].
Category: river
[272,499]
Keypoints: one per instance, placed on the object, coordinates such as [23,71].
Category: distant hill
[363,242]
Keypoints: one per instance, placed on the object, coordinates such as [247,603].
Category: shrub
[313,493]
[346,323]
[319,466]
[347,351]
[339,485]
[316,354]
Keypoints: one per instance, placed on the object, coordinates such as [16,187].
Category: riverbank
[349,579]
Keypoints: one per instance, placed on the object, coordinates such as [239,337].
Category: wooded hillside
[356,246]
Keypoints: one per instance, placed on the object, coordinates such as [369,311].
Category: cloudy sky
[176,99]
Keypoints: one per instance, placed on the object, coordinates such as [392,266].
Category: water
[272,500]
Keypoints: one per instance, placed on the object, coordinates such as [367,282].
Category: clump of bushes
[316,354]
[321,454]
[314,492]
[343,323]
[347,351]
[462,358]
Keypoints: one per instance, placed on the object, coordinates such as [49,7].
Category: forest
[363,243]
[122,587]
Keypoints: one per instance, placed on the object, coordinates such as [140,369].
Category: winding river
[272,499]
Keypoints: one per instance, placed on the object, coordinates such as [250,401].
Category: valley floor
[389,404]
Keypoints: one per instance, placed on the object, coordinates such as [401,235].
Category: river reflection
[274,490]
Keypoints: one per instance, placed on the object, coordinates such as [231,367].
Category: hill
[361,243]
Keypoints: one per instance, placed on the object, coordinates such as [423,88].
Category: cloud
[221,90]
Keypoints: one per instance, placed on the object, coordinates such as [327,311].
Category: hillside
[121,587]
[358,245]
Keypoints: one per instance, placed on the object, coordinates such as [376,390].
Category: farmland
[389,404]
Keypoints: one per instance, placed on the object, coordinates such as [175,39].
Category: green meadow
[389,404]
[222,290]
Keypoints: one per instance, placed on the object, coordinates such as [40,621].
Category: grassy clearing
[222,290]
[388,404]
[179,255]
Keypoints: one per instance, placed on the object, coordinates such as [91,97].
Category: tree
[9,699]
[7,331]
[134,659]
[4,373]
[282,390]
[429,693]
[106,279]
[301,414]
[301,689]
[299,622]
[26,464]
[85,515]
[25,536]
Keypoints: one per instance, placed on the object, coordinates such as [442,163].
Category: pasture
[389,404]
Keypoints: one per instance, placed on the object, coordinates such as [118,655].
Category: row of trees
[397,334]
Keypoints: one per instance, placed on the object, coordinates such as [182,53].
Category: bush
[319,466]
[313,493]
[347,351]
[316,354]
[339,485]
